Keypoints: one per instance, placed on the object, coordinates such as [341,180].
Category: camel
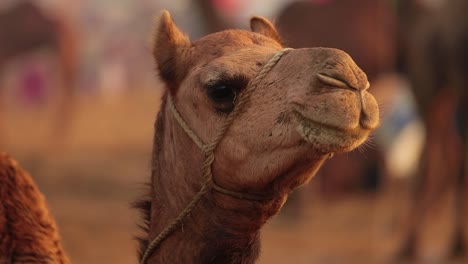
[258,120]
[33,29]
[434,57]
[28,233]
[243,122]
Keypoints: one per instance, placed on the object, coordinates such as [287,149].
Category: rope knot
[208,149]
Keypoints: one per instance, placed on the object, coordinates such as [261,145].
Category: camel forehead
[231,40]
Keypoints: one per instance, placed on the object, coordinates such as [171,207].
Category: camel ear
[263,26]
[170,51]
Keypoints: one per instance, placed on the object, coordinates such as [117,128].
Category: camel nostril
[342,72]
[338,81]
[332,81]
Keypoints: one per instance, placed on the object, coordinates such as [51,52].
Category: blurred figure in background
[25,28]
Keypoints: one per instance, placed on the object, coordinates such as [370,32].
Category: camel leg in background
[2,113]
[28,233]
[464,194]
[436,208]
[67,53]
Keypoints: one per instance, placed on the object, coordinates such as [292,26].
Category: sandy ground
[91,177]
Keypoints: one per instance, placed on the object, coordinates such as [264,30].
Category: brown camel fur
[25,28]
[28,233]
[312,103]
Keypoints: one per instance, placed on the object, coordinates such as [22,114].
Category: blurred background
[79,96]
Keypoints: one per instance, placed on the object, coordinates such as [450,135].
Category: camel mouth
[329,138]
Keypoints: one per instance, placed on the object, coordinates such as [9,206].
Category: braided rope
[208,150]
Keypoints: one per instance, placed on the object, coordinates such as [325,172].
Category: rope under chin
[208,151]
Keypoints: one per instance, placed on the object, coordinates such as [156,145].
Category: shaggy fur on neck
[28,233]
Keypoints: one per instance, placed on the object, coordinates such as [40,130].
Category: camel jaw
[329,139]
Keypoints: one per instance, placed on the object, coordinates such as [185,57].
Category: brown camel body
[311,104]
[434,44]
[23,29]
[28,233]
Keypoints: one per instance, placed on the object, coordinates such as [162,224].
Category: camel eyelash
[236,82]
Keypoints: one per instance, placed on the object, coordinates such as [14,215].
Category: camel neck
[220,229]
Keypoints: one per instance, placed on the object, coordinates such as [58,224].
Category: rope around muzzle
[208,151]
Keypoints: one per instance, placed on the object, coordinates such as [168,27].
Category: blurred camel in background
[364,28]
[25,28]
[434,55]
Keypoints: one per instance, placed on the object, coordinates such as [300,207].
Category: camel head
[314,102]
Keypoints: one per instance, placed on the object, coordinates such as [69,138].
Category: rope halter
[208,150]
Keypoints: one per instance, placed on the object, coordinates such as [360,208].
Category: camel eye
[221,93]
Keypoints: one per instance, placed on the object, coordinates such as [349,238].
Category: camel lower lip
[328,138]
[313,123]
